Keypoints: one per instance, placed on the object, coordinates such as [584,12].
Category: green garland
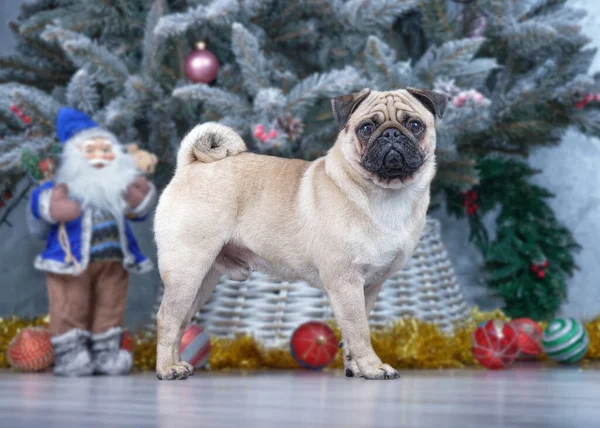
[531,255]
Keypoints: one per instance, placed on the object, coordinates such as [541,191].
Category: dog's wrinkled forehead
[393,106]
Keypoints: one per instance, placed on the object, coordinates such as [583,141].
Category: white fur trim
[139,268]
[69,336]
[111,332]
[37,226]
[83,136]
[44,206]
[72,353]
[144,207]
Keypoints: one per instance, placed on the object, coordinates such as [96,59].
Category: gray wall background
[570,171]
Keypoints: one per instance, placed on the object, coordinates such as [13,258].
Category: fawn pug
[343,223]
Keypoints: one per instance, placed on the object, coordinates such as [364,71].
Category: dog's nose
[392,134]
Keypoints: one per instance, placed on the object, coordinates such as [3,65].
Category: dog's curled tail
[209,142]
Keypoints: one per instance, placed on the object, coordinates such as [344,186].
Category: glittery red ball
[127,342]
[30,350]
[314,345]
[541,274]
[495,344]
[529,337]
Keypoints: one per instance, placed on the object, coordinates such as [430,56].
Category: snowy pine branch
[10,157]
[447,60]
[82,93]
[150,43]
[253,64]
[437,24]
[324,85]
[218,12]
[383,69]
[116,115]
[38,105]
[84,52]
[218,100]
[372,16]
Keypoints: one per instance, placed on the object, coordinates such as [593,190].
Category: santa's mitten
[71,353]
[108,357]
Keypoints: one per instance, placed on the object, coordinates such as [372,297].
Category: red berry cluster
[589,98]
[470,201]
[259,132]
[20,114]
[540,269]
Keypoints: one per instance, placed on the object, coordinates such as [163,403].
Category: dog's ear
[434,101]
[344,106]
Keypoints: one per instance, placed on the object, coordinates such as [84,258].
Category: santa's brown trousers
[94,301]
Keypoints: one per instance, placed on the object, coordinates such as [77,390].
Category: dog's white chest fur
[398,222]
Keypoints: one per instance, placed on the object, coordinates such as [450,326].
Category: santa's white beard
[97,188]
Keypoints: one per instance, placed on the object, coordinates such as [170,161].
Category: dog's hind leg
[189,278]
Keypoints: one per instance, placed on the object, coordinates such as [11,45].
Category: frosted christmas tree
[516,74]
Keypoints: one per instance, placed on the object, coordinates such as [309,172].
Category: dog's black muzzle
[393,155]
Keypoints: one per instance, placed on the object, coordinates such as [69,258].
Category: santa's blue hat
[71,123]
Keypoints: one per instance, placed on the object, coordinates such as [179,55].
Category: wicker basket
[270,310]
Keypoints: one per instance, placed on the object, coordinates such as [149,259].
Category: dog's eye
[415,127]
[367,129]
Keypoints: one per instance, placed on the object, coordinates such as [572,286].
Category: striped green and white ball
[565,340]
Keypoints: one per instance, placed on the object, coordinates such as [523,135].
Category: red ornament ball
[314,345]
[201,66]
[8,195]
[495,344]
[195,346]
[127,342]
[529,337]
[30,350]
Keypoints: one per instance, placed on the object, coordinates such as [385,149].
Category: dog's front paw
[180,370]
[350,366]
[378,371]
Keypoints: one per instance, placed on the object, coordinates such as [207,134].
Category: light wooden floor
[520,397]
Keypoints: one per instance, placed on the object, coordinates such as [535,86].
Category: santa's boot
[72,354]
[108,357]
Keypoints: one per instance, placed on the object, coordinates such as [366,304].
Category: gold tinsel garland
[407,344]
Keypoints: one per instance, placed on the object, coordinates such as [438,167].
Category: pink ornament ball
[201,66]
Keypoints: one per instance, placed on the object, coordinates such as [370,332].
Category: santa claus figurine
[85,211]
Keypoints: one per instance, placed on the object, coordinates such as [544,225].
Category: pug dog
[343,223]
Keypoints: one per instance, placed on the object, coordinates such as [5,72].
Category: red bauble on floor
[314,345]
[31,350]
[495,344]
[530,337]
